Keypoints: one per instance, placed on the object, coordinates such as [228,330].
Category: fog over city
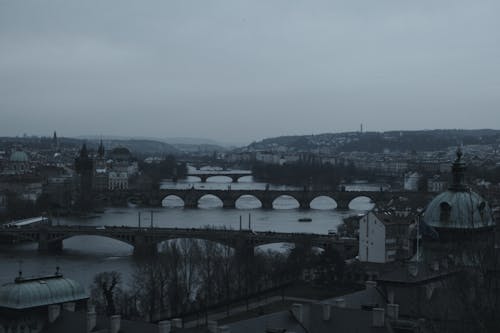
[238,71]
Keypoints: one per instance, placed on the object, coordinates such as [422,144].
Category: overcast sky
[238,71]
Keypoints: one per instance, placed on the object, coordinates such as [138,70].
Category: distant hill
[137,146]
[423,140]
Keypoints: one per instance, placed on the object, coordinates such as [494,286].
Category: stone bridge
[145,240]
[234,175]
[303,197]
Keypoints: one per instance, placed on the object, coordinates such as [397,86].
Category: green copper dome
[459,207]
[459,210]
[19,156]
[30,293]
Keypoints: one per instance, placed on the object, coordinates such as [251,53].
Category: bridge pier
[342,204]
[304,204]
[190,203]
[50,246]
[244,250]
[266,204]
[228,203]
[144,248]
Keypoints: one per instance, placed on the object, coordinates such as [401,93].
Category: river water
[85,256]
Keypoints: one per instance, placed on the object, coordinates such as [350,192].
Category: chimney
[91,319]
[340,303]
[326,311]
[212,326]
[370,284]
[69,307]
[114,323]
[224,329]
[164,326]
[297,310]
[378,317]
[177,323]
[390,295]
[393,311]
[54,312]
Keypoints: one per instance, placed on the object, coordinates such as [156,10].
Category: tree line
[304,174]
[190,276]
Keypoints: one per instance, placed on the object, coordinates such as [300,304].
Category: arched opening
[281,248]
[133,202]
[248,201]
[209,201]
[323,203]
[245,179]
[445,212]
[362,203]
[101,245]
[192,179]
[172,201]
[190,247]
[285,202]
[219,179]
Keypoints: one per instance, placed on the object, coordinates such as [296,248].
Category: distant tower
[361,128]
[83,167]
[55,141]
[100,150]
[100,174]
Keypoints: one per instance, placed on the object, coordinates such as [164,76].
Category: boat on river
[305,219]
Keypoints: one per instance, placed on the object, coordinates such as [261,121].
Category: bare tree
[105,290]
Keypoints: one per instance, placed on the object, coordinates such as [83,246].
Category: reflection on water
[85,256]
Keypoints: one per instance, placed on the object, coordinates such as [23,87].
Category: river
[85,256]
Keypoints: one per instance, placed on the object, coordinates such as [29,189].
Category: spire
[55,141]
[458,173]
[83,151]
[100,150]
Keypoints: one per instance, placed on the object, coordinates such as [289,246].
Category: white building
[411,180]
[385,237]
[436,184]
[118,180]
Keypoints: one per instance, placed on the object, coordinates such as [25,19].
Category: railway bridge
[145,240]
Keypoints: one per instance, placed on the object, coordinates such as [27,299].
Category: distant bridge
[191,197]
[204,175]
[145,240]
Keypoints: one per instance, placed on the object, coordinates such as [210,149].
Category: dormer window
[444,215]
[481,208]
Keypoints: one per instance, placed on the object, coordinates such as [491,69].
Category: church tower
[83,167]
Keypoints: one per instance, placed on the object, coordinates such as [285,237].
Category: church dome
[458,210]
[35,292]
[458,207]
[120,154]
[19,156]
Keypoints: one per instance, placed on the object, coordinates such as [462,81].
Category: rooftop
[25,293]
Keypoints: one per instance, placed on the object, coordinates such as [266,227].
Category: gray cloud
[242,70]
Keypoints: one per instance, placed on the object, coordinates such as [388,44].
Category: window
[444,215]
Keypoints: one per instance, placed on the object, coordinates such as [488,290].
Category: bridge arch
[172,201]
[362,202]
[184,243]
[219,179]
[116,244]
[209,200]
[323,202]
[127,239]
[248,201]
[285,201]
